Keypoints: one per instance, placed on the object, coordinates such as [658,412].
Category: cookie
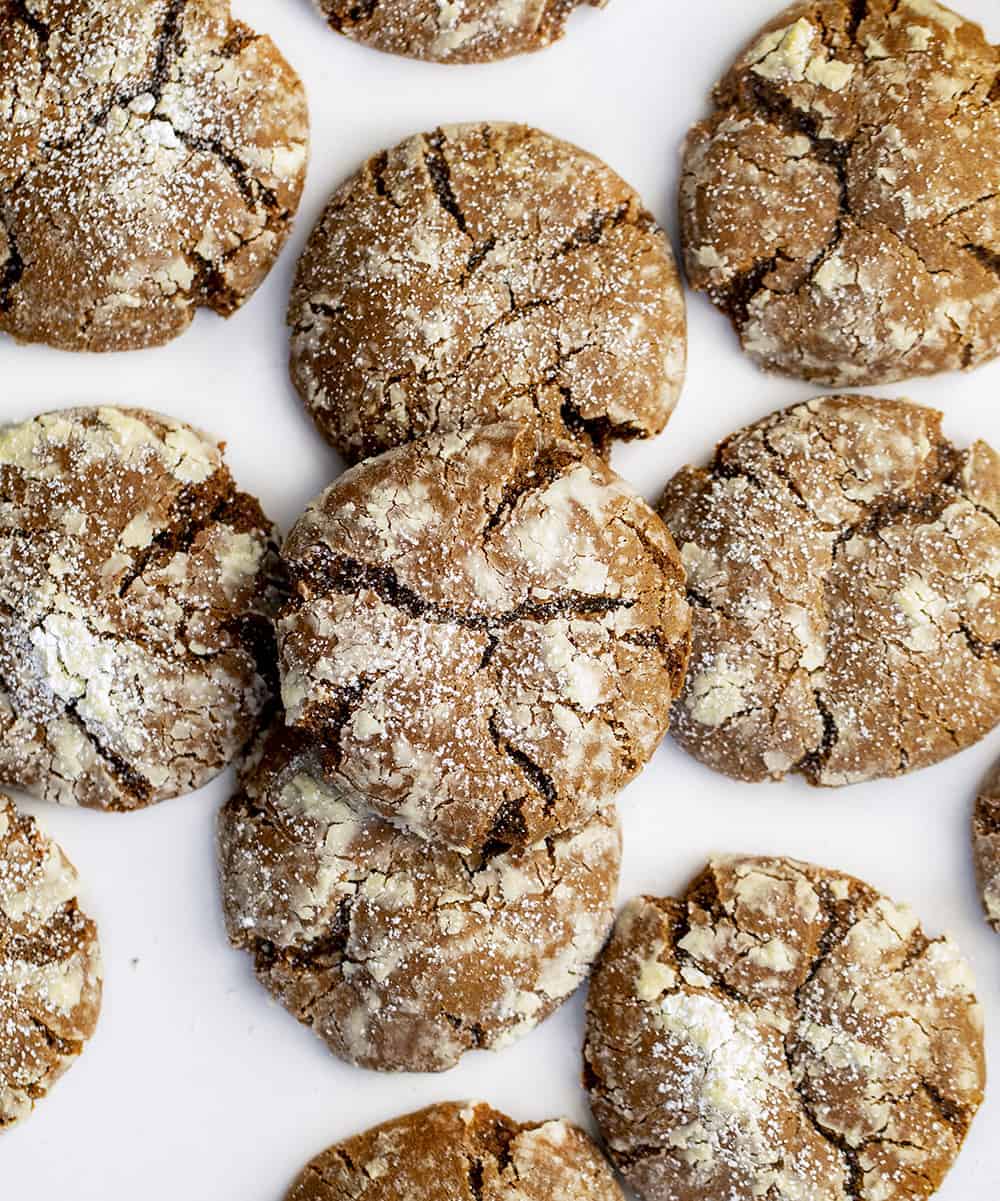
[50,966]
[463,1153]
[470,31]
[486,632]
[136,587]
[482,272]
[834,204]
[781,1031]
[843,562]
[986,846]
[401,956]
[152,156]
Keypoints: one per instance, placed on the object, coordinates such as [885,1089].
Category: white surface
[196,1086]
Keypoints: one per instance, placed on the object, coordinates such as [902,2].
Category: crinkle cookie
[460,1152]
[486,633]
[839,205]
[453,31]
[402,956]
[784,1032]
[152,155]
[843,563]
[50,966]
[136,584]
[986,846]
[483,272]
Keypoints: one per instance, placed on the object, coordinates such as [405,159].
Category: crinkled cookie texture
[986,846]
[482,272]
[50,966]
[455,1152]
[402,956]
[840,203]
[785,1032]
[486,633]
[136,587]
[454,31]
[843,562]
[152,155]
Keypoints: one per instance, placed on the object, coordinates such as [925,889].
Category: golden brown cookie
[50,966]
[843,561]
[783,1031]
[456,1152]
[402,956]
[453,31]
[486,632]
[986,846]
[482,272]
[152,155]
[838,204]
[136,587]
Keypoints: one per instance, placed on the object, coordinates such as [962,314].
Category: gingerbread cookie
[463,1153]
[152,155]
[50,966]
[401,956]
[837,203]
[782,1031]
[986,846]
[486,632]
[842,562]
[482,272]
[136,586]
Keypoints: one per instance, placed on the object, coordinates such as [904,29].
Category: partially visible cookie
[781,1031]
[838,204]
[481,272]
[152,156]
[843,562]
[455,1152]
[486,631]
[136,587]
[470,31]
[402,956]
[986,846]
[50,966]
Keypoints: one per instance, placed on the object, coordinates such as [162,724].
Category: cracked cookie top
[781,1031]
[152,155]
[462,1152]
[50,966]
[402,957]
[482,272]
[136,584]
[453,31]
[838,204]
[843,562]
[986,846]
[486,632]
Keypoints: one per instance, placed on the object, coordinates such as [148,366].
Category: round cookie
[460,1152]
[486,632]
[986,846]
[834,204]
[402,956]
[842,562]
[153,165]
[50,966]
[781,1031]
[482,272]
[136,587]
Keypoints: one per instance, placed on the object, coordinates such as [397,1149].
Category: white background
[196,1086]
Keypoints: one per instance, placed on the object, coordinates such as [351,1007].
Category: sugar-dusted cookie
[986,846]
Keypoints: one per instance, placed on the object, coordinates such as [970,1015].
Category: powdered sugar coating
[482,272]
[402,957]
[843,562]
[838,205]
[50,966]
[486,633]
[986,846]
[152,155]
[136,586]
[782,1031]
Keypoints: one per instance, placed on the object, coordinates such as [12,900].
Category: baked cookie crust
[986,846]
